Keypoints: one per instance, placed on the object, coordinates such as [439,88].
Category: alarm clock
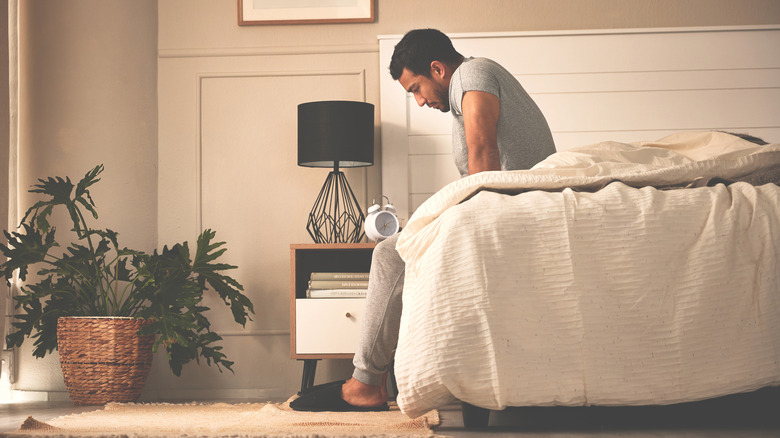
[381,222]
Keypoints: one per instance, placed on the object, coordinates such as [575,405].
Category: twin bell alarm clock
[381,222]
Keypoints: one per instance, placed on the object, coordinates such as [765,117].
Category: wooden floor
[745,415]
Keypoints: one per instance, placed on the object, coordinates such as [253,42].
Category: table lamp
[336,134]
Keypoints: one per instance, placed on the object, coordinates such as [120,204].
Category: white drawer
[328,325]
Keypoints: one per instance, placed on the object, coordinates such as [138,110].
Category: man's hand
[480,119]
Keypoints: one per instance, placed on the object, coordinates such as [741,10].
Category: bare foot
[357,393]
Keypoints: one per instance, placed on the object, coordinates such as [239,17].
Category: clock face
[386,224]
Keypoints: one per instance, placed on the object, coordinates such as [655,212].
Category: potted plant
[160,294]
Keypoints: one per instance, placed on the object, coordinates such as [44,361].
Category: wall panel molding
[226,161]
[269,332]
[266,51]
[203,77]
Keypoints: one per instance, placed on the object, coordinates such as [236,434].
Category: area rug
[211,420]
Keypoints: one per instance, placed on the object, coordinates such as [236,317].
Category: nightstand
[324,328]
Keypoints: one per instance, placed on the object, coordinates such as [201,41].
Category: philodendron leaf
[82,195]
[122,271]
[24,249]
[24,322]
[226,287]
[57,188]
[89,179]
[42,218]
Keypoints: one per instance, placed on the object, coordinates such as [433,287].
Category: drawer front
[328,325]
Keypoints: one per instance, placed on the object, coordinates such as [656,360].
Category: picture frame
[269,12]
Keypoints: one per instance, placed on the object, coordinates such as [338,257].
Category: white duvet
[577,283]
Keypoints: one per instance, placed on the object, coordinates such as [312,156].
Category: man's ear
[438,69]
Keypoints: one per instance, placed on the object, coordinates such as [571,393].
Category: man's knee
[385,251]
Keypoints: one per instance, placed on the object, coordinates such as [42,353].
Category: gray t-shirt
[524,137]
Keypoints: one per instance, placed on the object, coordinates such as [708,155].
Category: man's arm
[480,120]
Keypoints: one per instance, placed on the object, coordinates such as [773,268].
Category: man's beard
[444,100]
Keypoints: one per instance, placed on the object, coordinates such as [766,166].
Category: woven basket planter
[103,359]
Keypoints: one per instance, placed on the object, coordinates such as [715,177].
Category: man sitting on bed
[496,126]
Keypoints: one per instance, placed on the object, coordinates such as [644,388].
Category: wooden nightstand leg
[309,369]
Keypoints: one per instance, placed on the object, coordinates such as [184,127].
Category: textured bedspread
[577,283]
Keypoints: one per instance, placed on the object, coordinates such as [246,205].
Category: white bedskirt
[620,296]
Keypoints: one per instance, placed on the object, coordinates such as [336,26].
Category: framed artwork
[259,12]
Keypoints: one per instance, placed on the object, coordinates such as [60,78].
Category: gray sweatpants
[379,333]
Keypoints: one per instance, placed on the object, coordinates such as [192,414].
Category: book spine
[337,284]
[336,293]
[339,276]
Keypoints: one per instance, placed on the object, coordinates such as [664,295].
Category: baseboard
[38,396]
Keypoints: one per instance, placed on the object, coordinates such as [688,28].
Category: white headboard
[622,85]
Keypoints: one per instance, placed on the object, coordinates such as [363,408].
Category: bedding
[612,274]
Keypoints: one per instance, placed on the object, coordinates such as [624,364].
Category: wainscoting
[228,161]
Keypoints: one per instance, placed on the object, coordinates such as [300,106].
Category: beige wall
[89,96]
[224,154]
[88,92]
[212,24]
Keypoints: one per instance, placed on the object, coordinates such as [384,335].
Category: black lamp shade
[335,133]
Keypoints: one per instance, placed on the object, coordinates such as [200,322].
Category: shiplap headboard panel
[622,85]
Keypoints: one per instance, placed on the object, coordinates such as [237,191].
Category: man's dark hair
[418,49]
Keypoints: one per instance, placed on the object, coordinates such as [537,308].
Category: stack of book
[337,285]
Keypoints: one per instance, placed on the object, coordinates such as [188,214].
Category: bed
[611,274]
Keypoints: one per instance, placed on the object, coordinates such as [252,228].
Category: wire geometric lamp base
[336,216]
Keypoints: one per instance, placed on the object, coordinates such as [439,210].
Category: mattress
[613,274]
